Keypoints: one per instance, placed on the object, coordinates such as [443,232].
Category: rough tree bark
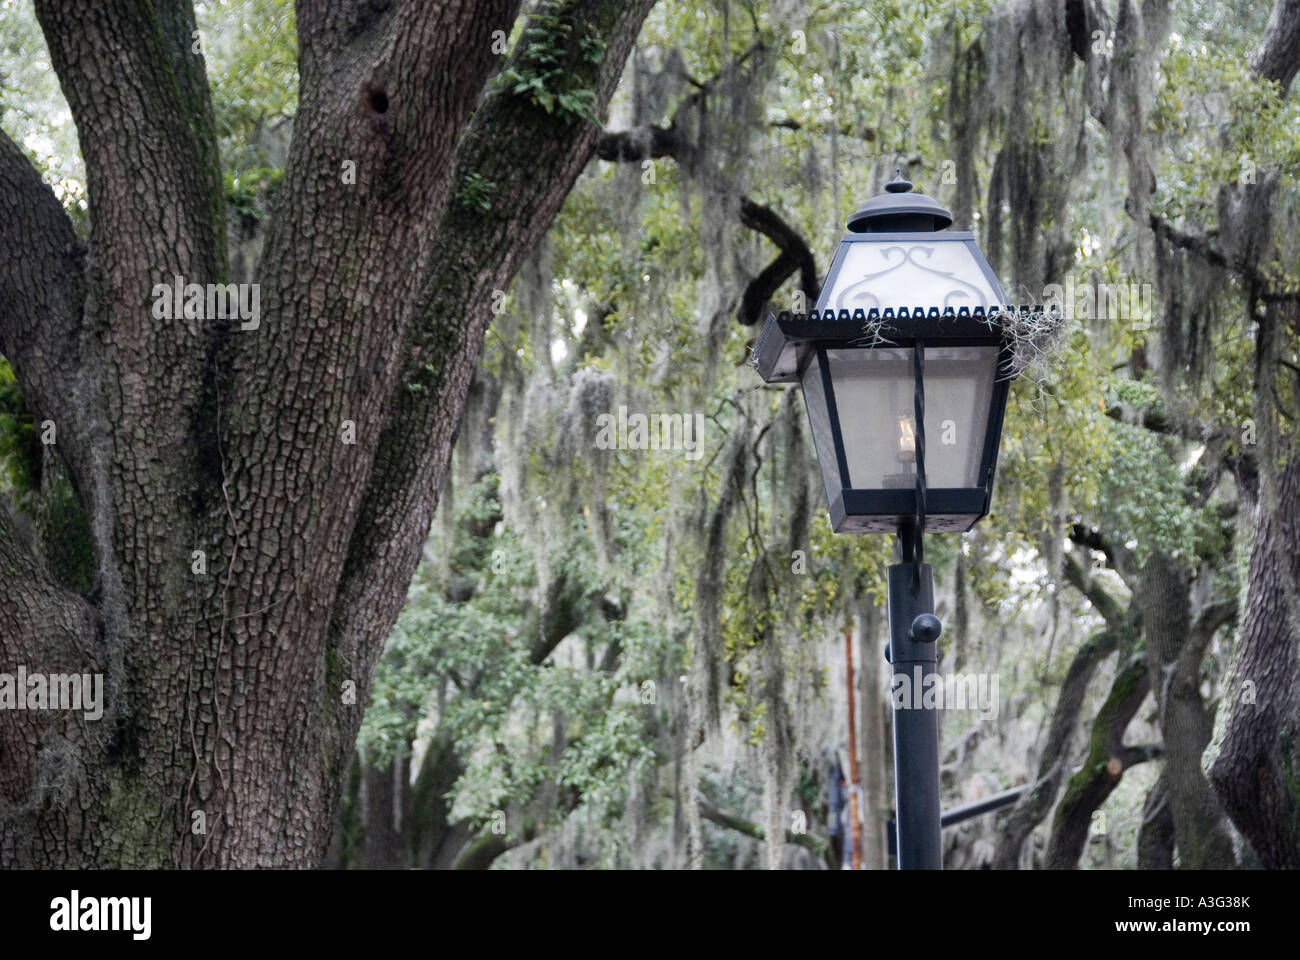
[1102,768]
[293,455]
[1277,57]
[1175,646]
[1155,839]
[1257,772]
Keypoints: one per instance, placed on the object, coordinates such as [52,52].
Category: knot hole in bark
[377,101]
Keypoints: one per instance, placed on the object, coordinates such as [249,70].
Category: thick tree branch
[181,38]
[42,290]
[368,179]
[1111,610]
[524,161]
[1036,802]
[1278,55]
[152,125]
[143,383]
[1102,768]
[1254,773]
[45,630]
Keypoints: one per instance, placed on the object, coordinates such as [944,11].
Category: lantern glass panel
[873,398]
[819,418]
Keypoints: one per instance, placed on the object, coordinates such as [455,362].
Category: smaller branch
[1207,624]
[653,142]
[1202,248]
[642,143]
[763,288]
[1102,602]
[1203,479]
[1091,538]
[1117,558]
[1132,756]
[810,842]
[794,254]
[1158,420]
[846,129]
[1036,802]
[1215,616]
[708,85]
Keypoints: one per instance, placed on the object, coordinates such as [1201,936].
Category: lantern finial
[899,184]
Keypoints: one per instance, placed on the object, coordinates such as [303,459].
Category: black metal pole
[913,632]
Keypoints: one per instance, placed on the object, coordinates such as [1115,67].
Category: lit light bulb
[906,438]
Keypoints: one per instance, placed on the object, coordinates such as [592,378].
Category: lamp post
[904,367]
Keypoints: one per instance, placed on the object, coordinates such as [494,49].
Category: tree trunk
[1257,772]
[1174,652]
[385,817]
[257,494]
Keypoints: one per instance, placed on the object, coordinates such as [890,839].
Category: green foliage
[252,57]
[476,192]
[250,192]
[20,449]
[544,73]
[33,112]
[1252,130]
[62,525]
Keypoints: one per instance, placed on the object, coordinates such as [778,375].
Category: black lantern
[904,368]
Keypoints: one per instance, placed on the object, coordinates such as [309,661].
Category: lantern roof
[899,209]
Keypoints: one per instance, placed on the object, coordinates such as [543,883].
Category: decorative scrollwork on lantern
[861,294]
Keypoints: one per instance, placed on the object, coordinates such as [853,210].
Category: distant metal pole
[951,818]
[913,632]
[980,807]
[855,832]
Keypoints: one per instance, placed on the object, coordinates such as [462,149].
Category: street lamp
[904,366]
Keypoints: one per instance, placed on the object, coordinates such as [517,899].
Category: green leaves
[250,191]
[552,90]
[476,192]
[19,445]
[551,71]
